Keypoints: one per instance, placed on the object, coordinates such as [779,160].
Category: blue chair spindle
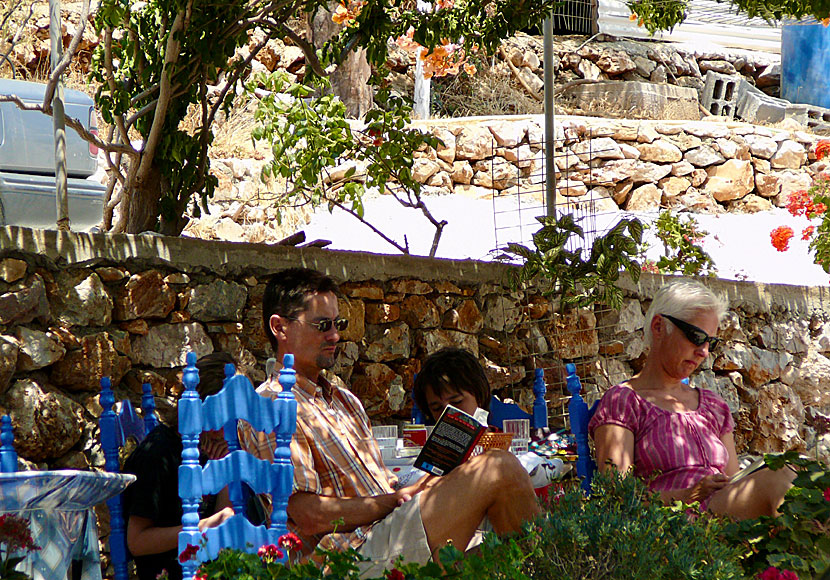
[580,415]
[8,456]
[540,405]
[111,440]
[237,400]
[148,405]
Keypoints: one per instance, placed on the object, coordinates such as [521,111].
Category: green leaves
[682,241]
[575,280]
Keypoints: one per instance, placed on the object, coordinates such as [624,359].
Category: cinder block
[720,94]
[756,107]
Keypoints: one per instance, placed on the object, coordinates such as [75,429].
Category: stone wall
[703,166]
[75,307]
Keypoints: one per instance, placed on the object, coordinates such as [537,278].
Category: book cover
[451,442]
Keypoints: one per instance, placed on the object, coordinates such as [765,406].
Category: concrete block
[720,93]
[760,108]
[643,100]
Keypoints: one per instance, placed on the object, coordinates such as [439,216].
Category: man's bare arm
[315,514]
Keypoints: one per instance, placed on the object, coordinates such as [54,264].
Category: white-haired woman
[677,438]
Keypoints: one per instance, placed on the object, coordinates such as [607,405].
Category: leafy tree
[666,14]
[157,60]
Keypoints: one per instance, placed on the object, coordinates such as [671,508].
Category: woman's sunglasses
[325,325]
[694,334]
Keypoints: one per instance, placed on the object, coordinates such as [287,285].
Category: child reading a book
[451,376]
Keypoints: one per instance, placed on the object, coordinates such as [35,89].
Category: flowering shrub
[15,537]
[797,542]
[811,204]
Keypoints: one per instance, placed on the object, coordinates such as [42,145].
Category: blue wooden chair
[237,400]
[499,411]
[580,415]
[116,429]
[8,456]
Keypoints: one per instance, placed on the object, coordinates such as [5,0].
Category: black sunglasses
[694,334]
[325,325]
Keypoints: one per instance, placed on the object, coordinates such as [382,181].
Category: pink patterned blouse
[671,450]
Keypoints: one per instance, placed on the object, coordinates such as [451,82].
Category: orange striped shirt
[333,452]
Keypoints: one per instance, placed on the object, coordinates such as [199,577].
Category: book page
[751,468]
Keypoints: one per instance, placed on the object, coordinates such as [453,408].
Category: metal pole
[550,170]
[58,122]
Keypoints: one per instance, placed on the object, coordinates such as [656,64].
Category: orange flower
[807,232]
[825,22]
[823,146]
[632,17]
[348,13]
[780,237]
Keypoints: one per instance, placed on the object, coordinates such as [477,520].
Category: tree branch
[67,56]
[171,57]
[110,78]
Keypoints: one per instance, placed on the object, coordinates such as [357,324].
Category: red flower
[827,494]
[394,574]
[780,237]
[822,148]
[788,575]
[807,232]
[189,553]
[770,573]
[270,553]
[290,542]
[15,534]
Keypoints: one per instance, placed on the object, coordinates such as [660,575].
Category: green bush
[624,531]
[799,538]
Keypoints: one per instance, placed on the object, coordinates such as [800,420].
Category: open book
[749,469]
[451,442]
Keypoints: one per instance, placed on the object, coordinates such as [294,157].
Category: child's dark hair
[451,369]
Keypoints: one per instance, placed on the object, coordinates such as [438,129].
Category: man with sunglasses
[676,437]
[344,497]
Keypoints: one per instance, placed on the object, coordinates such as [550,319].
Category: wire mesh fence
[547,336]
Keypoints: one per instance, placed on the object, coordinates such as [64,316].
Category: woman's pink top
[671,450]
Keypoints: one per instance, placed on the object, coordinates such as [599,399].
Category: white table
[58,506]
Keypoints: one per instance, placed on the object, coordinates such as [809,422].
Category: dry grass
[485,93]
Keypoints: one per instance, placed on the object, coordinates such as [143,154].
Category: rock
[532,80]
[649,172]
[601,148]
[166,345]
[706,129]
[387,343]
[9,349]
[12,270]
[531,60]
[420,312]
[501,313]
[382,313]
[761,146]
[660,151]
[379,388]
[423,169]
[615,63]
[508,134]
[732,150]
[465,317]
[355,312]
[767,185]
[791,182]
[37,349]
[750,204]
[703,156]
[730,180]
[429,341]
[643,66]
[218,300]
[631,317]
[46,424]
[769,77]
[409,286]
[777,415]
[758,365]
[573,334]
[790,155]
[462,172]
[474,143]
[26,304]
[81,369]
[445,151]
[588,70]
[496,175]
[682,168]
[719,66]
[659,74]
[698,201]
[644,198]
[685,142]
[721,386]
[674,186]
[347,355]
[145,295]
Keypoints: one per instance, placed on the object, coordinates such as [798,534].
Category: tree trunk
[350,80]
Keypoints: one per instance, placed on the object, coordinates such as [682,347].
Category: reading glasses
[325,324]
[693,334]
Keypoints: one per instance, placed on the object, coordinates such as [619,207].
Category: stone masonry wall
[75,307]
